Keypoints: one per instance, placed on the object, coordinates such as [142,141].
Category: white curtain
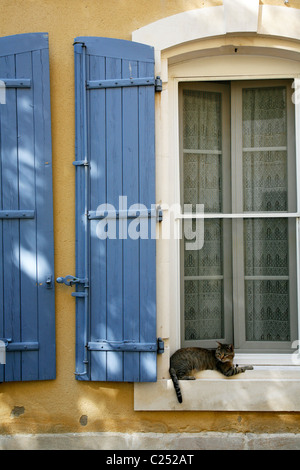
[202,168]
[265,189]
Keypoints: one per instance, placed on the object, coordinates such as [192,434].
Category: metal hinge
[126,346]
[160,346]
[124,82]
[158,84]
[159,213]
[16,82]
[127,214]
[20,346]
[17,214]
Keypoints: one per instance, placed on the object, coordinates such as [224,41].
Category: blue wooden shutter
[116,278]
[26,227]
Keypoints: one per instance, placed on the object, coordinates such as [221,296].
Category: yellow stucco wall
[62,405]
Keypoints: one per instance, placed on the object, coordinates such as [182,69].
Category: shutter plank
[28,291]
[114,247]
[131,247]
[98,195]
[11,251]
[80,209]
[147,247]
[44,209]
[1,244]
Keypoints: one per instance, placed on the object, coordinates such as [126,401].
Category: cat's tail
[176,384]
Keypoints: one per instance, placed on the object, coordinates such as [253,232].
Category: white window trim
[214,59]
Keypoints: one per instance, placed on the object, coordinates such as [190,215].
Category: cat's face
[225,352]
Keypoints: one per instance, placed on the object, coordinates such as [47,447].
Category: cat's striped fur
[186,361]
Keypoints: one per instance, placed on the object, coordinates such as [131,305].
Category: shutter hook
[70,280]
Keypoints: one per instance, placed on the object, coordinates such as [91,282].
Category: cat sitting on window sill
[185,362]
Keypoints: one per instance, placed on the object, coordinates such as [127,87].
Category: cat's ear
[220,344]
[230,347]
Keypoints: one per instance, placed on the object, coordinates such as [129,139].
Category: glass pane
[265,181]
[202,181]
[264,117]
[202,120]
[266,247]
[202,146]
[264,149]
[265,184]
[203,309]
[209,260]
[267,310]
[202,184]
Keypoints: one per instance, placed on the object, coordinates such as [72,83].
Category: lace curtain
[265,189]
[264,180]
[202,168]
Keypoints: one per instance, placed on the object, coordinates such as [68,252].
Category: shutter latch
[71,280]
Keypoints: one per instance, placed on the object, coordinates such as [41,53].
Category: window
[201,53]
[237,149]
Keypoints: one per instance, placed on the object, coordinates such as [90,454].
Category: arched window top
[233,17]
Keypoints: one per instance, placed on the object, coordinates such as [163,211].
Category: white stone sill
[257,390]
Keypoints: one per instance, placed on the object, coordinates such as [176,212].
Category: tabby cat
[186,361]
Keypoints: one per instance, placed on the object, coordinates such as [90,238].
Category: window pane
[265,181]
[267,310]
[202,181]
[266,247]
[267,300]
[265,188]
[203,271]
[264,117]
[202,184]
[265,149]
[208,260]
[203,309]
[202,120]
[202,149]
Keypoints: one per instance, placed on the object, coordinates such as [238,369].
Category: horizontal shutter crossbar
[20,346]
[24,346]
[17,214]
[125,214]
[16,82]
[126,346]
[119,83]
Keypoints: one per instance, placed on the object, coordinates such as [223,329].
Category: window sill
[257,390]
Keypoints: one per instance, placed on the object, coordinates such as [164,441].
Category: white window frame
[214,58]
[256,359]
[232,165]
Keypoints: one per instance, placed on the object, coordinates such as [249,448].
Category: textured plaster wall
[65,405]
